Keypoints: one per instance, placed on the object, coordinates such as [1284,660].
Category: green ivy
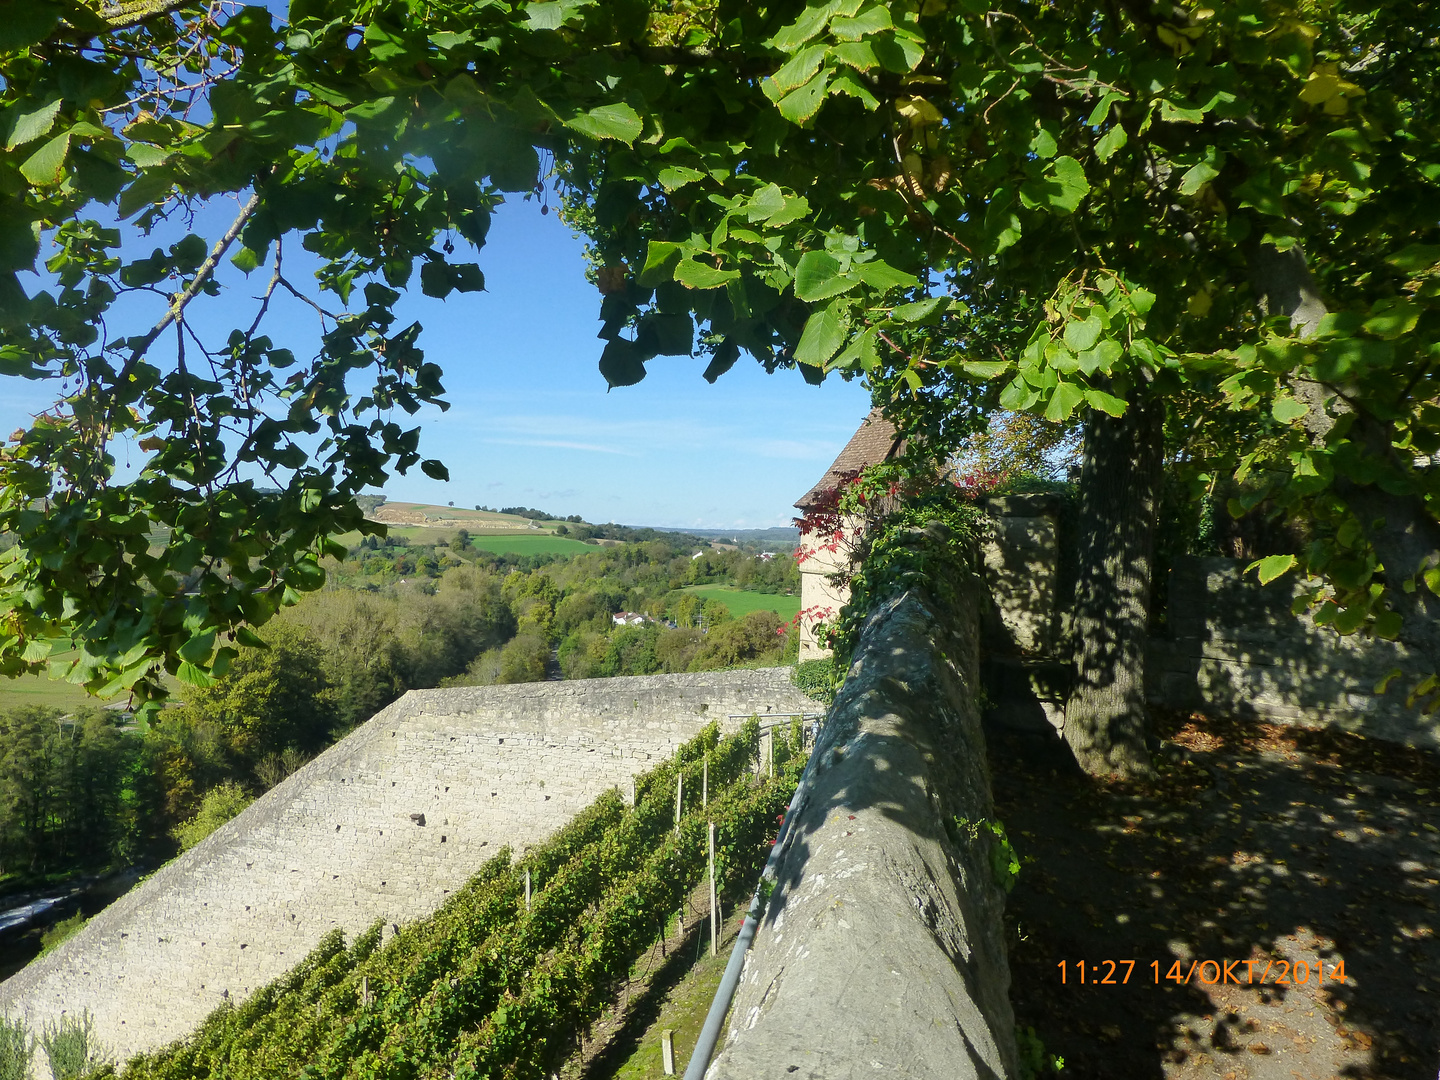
[930,541]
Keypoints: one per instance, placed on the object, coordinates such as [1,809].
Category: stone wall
[881,951]
[1233,645]
[1229,644]
[384,825]
[1021,555]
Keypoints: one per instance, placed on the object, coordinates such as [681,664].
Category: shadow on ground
[1256,843]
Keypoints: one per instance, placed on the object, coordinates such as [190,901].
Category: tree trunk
[1405,534]
[1105,718]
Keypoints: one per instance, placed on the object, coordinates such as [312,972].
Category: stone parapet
[881,951]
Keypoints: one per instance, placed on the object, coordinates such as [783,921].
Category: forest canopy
[1203,229]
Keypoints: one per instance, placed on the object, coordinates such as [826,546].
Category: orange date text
[1264,972]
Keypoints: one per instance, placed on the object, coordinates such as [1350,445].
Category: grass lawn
[38,690]
[533,544]
[741,603]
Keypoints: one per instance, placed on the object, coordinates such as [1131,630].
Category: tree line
[95,788]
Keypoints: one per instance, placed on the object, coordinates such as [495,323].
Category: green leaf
[247,637]
[1172,113]
[870,21]
[1106,403]
[660,260]
[618,121]
[1287,410]
[799,106]
[1350,619]
[861,350]
[823,335]
[1063,401]
[699,275]
[809,24]
[796,207]
[818,277]
[1112,141]
[1083,335]
[1416,258]
[1383,684]
[674,177]
[1017,396]
[147,156]
[1061,189]
[468,277]
[1196,177]
[27,23]
[198,648]
[435,470]
[245,260]
[897,52]
[845,83]
[859,55]
[795,72]
[30,126]
[1388,625]
[1344,358]
[985,369]
[621,363]
[666,334]
[880,275]
[191,675]
[1101,111]
[435,280]
[1272,567]
[553,14]
[1432,580]
[1101,358]
[1390,319]
[927,312]
[1074,187]
[47,165]
[765,203]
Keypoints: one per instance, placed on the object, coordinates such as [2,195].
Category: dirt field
[1303,853]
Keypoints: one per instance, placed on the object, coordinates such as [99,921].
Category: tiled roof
[874,441]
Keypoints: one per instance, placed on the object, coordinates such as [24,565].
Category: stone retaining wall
[1233,645]
[1229,644]
[383,825]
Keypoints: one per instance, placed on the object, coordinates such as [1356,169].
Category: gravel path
[1278,853]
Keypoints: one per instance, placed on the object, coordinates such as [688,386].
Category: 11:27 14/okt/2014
[1208,972]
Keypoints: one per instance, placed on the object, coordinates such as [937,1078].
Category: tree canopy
[1049,207]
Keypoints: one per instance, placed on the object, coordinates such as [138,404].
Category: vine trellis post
[714,921]
[679,799]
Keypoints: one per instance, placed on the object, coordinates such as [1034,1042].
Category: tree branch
[129,13]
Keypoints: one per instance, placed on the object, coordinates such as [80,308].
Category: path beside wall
[383,825]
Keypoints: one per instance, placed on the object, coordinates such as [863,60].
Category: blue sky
[531,422]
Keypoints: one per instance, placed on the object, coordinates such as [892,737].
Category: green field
[534,544]
[38,690]
[741,603]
